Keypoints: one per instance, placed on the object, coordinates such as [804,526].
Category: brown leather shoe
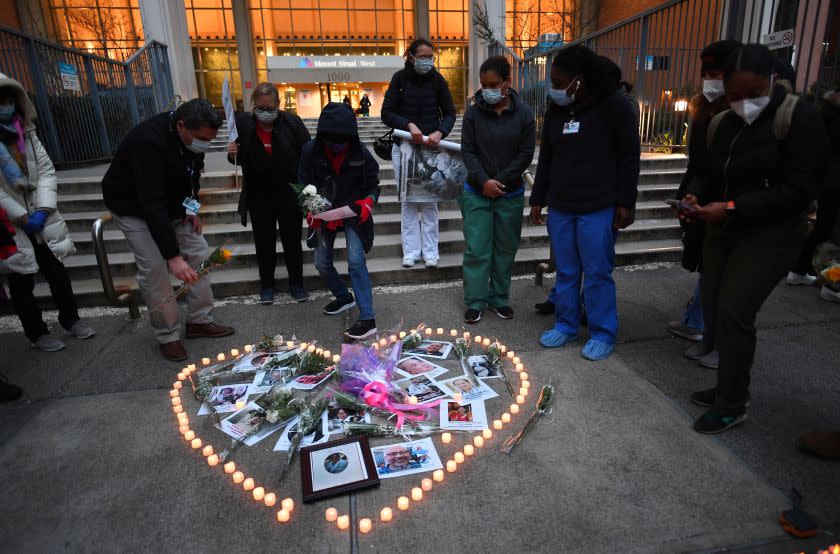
[824,445]
[174,351]
[208,330]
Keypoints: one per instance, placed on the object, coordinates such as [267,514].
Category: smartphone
[681,206]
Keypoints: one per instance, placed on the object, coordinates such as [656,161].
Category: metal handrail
[129,298]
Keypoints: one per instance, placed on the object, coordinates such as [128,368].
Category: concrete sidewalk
[92,460]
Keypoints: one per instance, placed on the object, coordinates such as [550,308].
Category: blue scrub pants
[584,244]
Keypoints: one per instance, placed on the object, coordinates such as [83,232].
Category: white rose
[310,190]
[271,416]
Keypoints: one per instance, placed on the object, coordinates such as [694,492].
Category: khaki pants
[153,276]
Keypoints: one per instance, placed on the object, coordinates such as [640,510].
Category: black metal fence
[86,103]
[658,51]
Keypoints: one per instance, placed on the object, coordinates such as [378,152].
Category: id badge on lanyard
[571,128]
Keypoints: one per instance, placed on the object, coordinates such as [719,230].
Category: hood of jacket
[338,119]
[481,103]
[23,102]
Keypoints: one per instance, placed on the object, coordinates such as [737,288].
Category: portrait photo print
[470,389]
[406,458]
[463,417]
[411,366]
[223,398]
[423,388]
[436,349]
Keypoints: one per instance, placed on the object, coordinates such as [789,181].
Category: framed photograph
[463,417]
[411,366]
[436,349]
[406,458]
[423,388]
[223,398]
[481,367]
[338,416]
[337,467]
[470,389]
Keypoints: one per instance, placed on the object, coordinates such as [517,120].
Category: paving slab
[606,470]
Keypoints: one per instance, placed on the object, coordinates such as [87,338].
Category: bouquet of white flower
[310,201]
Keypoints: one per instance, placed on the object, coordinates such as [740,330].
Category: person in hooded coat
[344,172]
[29,196]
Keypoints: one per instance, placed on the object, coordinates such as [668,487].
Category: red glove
[312,222]
[334,225]
[365,208]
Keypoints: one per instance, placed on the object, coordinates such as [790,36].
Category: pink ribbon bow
[376,394]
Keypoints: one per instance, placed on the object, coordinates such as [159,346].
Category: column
[166,21]
[245,46]
[478,49]
[421,19]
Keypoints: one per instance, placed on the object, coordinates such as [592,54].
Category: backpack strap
[713,127]
[783,116]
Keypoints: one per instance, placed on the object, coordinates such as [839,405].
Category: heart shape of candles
[416,492]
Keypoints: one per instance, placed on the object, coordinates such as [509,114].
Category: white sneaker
[408,262]
[795,279]
[431,263]
[829,295]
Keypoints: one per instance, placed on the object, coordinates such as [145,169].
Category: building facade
[316,51]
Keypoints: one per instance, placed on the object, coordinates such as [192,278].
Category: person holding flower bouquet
[151,189]
[344,173]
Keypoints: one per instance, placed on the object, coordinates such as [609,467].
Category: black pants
[827,208]
[741,269]
[270,210]
[22,287]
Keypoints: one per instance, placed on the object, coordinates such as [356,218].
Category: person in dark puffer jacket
[345,173]
[701,109]
[418,101]
[753,204]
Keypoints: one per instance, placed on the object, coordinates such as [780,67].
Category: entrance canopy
[333,69]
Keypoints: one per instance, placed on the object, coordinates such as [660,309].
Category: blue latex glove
[36,222]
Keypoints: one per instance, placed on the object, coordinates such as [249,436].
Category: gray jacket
[498,146]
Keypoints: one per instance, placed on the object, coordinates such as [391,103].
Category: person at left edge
[268,148]
[345,173]
[155,171]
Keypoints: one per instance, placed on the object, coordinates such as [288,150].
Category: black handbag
[383,145]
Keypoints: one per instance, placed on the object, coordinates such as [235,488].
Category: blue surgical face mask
[423,65]
[7,112]
[492,95]
[561,97]
[198,146]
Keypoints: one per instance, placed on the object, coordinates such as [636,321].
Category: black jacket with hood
[771,181]
[595,168]
[150,176]
[424,100]
[259,170]
[359,175]
[498,146]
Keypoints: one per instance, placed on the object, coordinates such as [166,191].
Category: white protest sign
[779,39]
[227,102]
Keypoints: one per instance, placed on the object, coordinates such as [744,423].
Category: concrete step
[654,172]
[650,224]
[232,281]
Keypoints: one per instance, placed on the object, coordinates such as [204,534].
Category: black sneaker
[704,398]
[504,312]
[545,308]
[472,316]
[362,329]
[715,421]
[267,296]
[339,305]
[299,293]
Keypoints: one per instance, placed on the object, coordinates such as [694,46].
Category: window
[109,28]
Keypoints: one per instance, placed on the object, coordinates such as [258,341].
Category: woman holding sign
[268,149]
[418,101]
[497,147]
